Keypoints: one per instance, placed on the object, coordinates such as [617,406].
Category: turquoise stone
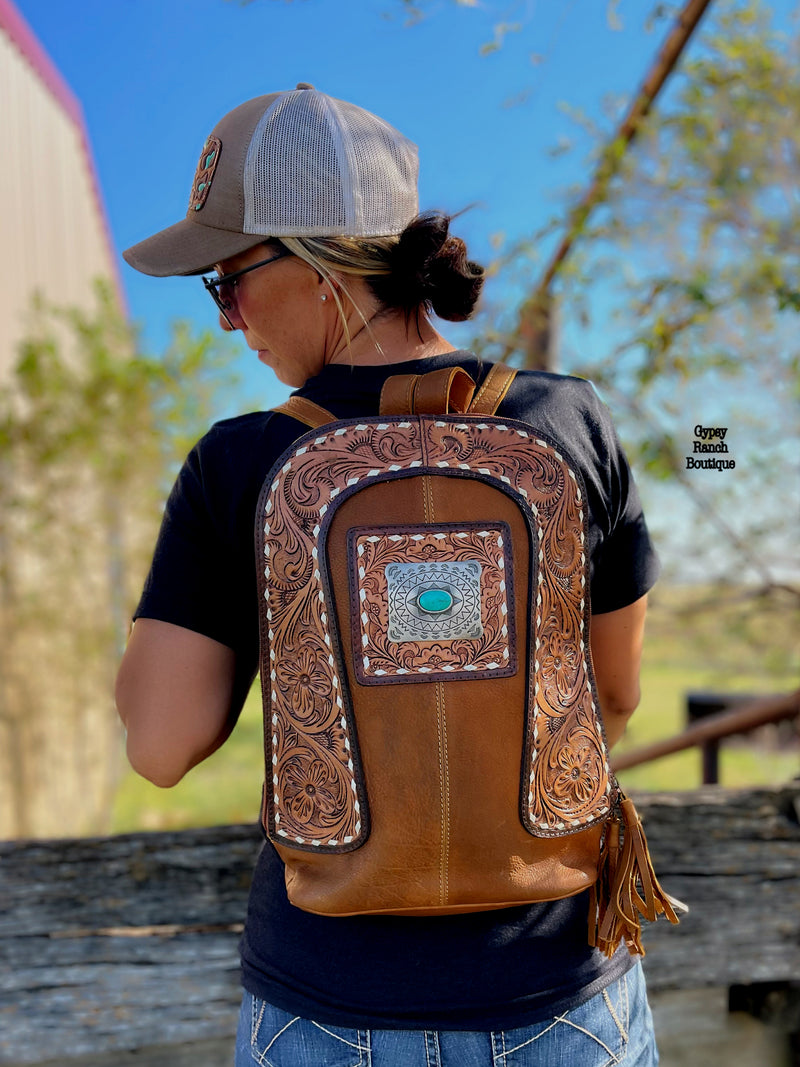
[435,600]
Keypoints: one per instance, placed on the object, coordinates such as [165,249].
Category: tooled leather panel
[316,793]
[475,640]
[566,760]
[315,796]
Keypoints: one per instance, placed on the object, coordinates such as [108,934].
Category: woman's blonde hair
[422,269]
[338,256]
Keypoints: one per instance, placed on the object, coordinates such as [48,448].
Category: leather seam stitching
[427,491]
[440,687]
[495,386]
[441,798]
[485,390]
[410,391]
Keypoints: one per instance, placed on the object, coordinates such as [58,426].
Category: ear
[332,282]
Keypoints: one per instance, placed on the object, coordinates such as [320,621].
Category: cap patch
[204,174]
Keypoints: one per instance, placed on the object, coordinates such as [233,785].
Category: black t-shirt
[482,971]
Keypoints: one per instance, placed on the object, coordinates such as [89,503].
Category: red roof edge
[22,36]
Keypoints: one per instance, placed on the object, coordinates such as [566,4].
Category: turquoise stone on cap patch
[435,600]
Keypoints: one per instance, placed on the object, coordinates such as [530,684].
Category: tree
[689,272]
[90,432]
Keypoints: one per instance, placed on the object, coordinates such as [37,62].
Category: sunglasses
[223,287]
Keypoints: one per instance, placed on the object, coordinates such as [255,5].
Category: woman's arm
[616,644]
[179,697]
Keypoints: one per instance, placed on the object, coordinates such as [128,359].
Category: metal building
[54,236]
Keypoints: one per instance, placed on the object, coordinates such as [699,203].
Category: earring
[324,297]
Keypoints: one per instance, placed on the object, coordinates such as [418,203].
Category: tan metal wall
[59,741]
[52,229]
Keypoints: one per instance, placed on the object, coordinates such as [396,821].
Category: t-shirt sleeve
[202,576]
[624,564]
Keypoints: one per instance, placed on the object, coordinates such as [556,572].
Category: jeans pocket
[592,1035]
[279,1039]
[603,1024]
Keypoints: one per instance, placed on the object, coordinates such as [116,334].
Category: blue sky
[154,77]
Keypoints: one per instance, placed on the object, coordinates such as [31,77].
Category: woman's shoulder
[237,453]
[561,404]
[242,435]
[238,427]
[547,384]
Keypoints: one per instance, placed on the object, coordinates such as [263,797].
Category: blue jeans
[613,1027]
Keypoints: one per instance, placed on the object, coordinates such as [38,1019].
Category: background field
[732,647]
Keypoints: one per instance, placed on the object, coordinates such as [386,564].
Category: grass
[682,655]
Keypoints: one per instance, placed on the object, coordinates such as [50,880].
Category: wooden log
[190,877]
[734,857]
[127,946]
[121,944]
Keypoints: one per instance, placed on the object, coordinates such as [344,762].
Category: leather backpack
[433,740]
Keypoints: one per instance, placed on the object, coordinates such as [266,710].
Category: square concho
[432,602]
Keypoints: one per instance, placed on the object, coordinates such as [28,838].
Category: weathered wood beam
[72,916]
[734,857]
[127,946]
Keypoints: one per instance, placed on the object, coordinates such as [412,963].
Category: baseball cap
[289,164]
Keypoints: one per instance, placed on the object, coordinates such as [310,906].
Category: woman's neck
[393,338]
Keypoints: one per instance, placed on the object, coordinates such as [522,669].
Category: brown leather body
[427,785]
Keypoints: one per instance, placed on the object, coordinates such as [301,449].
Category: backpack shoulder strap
[305,411]
[441,391]
[436,393]
[493,389]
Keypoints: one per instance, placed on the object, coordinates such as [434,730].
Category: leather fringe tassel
[626,885]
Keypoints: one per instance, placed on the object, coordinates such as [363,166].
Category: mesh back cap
[322,167]
[290,164]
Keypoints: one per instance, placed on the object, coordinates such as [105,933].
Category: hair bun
[430,268]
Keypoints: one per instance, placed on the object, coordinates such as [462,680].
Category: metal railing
[708,732]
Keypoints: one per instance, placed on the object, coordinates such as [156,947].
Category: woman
[307,209]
